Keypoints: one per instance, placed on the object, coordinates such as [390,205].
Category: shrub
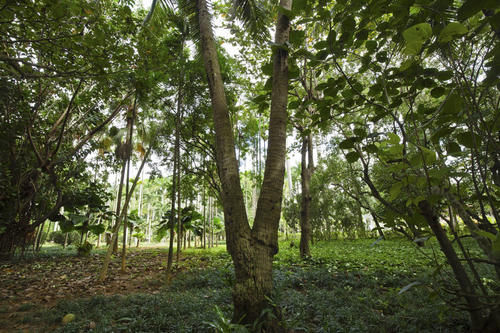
[84,249]
[59,237]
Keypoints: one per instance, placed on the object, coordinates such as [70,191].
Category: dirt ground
[41,283]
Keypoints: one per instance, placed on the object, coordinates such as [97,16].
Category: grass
[348,286]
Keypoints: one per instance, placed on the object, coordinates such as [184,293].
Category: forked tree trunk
[252,249]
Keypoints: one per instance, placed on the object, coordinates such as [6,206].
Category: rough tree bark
[252,249]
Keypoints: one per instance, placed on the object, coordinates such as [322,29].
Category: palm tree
[252,248]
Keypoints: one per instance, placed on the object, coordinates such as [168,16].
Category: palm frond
[252,14]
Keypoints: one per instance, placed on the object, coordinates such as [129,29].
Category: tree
[60,94]
[251,249]
[423,78]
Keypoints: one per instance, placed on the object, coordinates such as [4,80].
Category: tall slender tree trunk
[104,270]
[204,233]
[305,203]
[114,243]
[172,213]
[252,249]
[130,119]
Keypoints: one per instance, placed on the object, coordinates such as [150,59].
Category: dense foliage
[119,123]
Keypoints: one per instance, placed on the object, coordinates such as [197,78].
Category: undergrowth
[347,286]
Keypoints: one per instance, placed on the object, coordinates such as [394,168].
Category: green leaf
[486,234]
[371,45]
[288,13]
[381,56]
[352,157]
[395,190]
[97,229]
[297,37]
[469,139]
[452,31]
[347,143]
[471,7]
[348,25]
[441,132]
[416,36]
[453,148]
[66,225]
[453,104]
[299,5]
[438,92]
[371,148]
[444,75]
[267,69]
[360,132]
[429,155]
[406,64]
[393,138]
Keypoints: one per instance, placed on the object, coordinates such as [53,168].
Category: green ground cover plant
[347,286]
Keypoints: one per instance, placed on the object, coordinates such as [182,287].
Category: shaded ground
[29,285]
[347,286]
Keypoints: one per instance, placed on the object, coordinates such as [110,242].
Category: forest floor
[347,286]
[42,282]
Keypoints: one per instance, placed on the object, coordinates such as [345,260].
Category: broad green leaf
[406,64]
[451,31]
[97,229]
[347,143]
[66,225]
[442,132]
[429,155]
[495,246]
[395,190]
[267,69]
[444,75]
[348,25]
[371,45]
[453,104]
[352,157]
[371,148]
[393,138]
[453,148]
[381,56]
[288,13]
[438,92]
[416,36]
[361,36]
[469,139]
[297,37]
[360,132]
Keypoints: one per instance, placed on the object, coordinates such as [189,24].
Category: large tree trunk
[252,250]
